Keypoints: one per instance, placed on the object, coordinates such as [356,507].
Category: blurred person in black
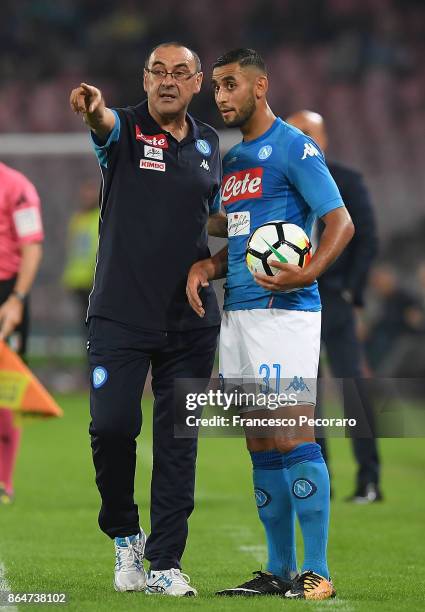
[420,274]
[341,291]
[395,338]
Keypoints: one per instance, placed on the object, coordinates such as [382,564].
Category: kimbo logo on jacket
[242,185]
[150,164]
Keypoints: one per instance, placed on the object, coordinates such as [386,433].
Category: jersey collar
[150,126]
[266,134]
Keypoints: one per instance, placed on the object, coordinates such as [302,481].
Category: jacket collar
[150,126]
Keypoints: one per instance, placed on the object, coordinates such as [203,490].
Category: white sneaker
[130,574]
[169,582]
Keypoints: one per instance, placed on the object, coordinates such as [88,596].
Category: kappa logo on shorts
[297,385]
[303,488]
[100,376]
[262,498]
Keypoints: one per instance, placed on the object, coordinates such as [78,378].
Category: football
[277,240]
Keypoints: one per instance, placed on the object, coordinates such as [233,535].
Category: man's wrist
[209,268]
[19,295]
[95,118]
[309,278]
[219,267]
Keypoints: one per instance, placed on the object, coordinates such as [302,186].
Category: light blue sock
[309,482]
[122,542]
[276,512]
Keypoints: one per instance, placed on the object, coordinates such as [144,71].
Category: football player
[275,173]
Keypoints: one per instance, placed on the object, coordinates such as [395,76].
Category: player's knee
[255,445]
[286,445]
[113,429]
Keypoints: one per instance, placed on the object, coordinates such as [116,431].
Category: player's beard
[244,114]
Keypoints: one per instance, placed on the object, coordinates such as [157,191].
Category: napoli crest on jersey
[265,152]
[100,376]
[303,488]
[262,498]
[203,147]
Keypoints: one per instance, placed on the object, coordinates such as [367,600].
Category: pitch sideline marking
[257,552]
[5,586]
[238,534]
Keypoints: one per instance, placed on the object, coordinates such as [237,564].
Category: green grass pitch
[49,539]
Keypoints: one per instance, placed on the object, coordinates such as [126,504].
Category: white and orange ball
[277,241]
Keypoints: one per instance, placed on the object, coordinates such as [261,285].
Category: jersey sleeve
[215,202]
[308,172]
[26,213]
[101,149]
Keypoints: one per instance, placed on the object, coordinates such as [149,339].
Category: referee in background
[161,173]
[21,237]
[341,291]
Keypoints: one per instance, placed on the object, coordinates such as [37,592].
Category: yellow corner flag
[19,388]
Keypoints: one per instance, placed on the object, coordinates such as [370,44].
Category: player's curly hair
[242,56]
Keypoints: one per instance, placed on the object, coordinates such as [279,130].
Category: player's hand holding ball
[277,256]
[288,277]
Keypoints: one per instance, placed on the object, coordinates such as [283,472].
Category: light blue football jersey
[280,176]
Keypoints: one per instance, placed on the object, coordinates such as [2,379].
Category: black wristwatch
[21,296]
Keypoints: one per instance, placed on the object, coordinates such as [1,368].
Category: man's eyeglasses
[177,75]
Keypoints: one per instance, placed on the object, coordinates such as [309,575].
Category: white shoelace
[171,577]
[179,577]
[128,556]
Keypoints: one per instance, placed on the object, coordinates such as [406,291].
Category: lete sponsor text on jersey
[155,140]
[242,185]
